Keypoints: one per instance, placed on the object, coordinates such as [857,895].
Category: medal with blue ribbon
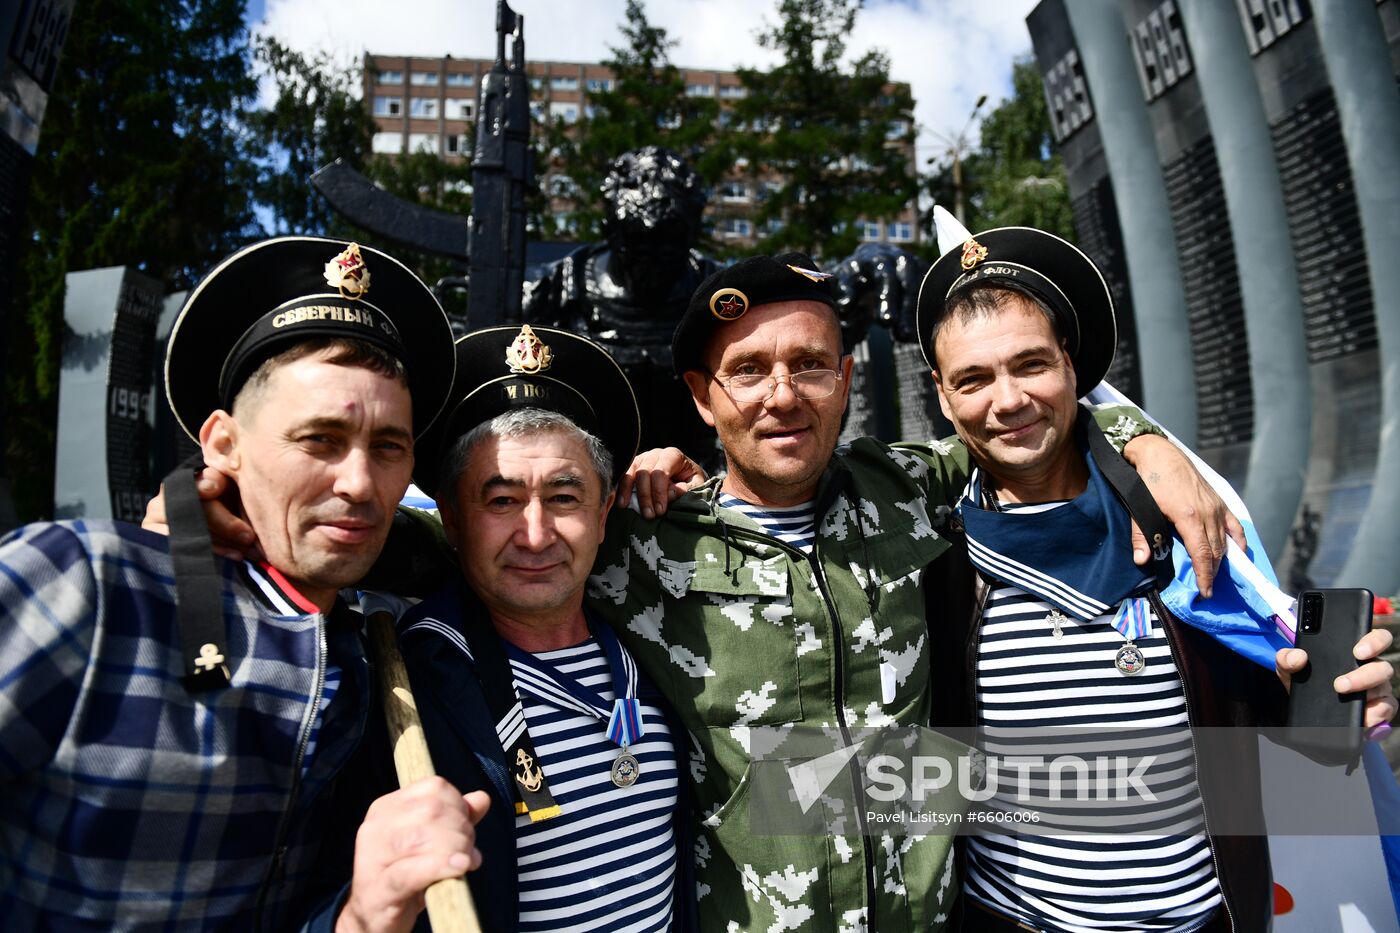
[1133,622]
[625,727]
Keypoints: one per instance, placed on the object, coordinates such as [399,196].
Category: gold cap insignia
[812,274]
[348,273]
[728,304]
[527,353]
[973,253]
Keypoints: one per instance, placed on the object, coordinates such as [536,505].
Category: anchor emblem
[530,777]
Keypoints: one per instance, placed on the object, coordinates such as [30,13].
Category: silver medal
[1129,659]
[626,769]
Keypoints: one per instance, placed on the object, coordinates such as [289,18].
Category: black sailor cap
[281,291]
[1055,271]
[524,366]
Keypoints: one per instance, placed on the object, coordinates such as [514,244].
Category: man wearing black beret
[1016,326]
[787,592]
[172,722]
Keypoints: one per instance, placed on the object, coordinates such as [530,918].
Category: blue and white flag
[1246,611]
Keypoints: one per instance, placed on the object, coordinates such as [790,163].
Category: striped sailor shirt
[1061,698]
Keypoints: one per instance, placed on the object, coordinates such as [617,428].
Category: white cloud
[949,52]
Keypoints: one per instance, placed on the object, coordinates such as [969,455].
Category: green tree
[141,161]
[1015,177]
[818,131]
[646,106]
[316,117]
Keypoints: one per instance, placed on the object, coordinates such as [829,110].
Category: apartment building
[429,104]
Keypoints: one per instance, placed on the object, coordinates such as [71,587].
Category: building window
[457,108]
[901,232]
[423,142]
[731,227]
[458,79]
[734,192]
[599,84]
[733,91]
[536,82]
[423,78]
[868,230]
[561,186]
[423,107]
[775,225]
[700,90]
[897,129]
[537,111]
[390,77]
[388,106]
[562,110]
[458,144]
[559,83]
[387,143]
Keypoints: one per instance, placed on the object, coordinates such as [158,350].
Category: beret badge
[527,353]
[972,253]
[348,273]
[729,304]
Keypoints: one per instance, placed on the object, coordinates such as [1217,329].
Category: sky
[949,51]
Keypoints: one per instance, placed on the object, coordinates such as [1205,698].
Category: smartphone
[1321,722]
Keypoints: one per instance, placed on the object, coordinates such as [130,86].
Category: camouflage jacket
[740,630]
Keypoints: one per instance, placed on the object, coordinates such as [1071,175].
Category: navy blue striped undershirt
[795,524]
[608,861]
[1162,877]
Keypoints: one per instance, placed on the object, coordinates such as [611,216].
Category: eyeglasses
[809,384]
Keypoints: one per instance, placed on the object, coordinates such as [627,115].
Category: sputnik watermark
[1033,778]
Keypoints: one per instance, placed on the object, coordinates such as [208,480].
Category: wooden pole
[450,907]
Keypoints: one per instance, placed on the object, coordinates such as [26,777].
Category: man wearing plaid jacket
[163,768]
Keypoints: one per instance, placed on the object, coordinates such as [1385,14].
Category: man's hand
[1372,677]
[659,476]
[418,835]
[232,536]
[1200,517]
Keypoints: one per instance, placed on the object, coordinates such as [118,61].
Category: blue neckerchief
[1078,557]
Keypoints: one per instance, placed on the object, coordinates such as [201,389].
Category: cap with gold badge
[1050,268]
[281,291]
[524,366]
[728,294]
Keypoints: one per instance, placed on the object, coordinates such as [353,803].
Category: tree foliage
[316,117]
[141,161]
[1015,177]
[815,131]
[646,106]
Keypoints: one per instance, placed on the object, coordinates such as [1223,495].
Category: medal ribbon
[1133,620]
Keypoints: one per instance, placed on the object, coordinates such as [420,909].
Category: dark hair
[341,351]
[983,299]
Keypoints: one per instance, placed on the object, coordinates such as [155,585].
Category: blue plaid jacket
[128,803]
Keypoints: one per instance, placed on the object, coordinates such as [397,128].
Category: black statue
[628,292]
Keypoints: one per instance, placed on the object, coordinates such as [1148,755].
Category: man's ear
[608,502]
[218,440]
[848,366]
[942,397]
[699,385]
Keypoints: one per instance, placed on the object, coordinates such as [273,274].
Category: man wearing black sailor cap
[172,722]
[522,692]
[1017,325]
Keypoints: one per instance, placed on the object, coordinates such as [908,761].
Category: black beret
[729,293]
[279,292]
[525,366]
[1053,270]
